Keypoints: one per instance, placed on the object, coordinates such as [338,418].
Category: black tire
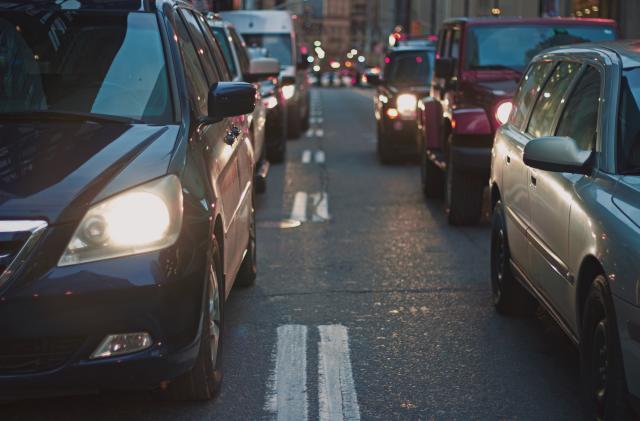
[249,269]
[294,130]
[463,195]
[203,381]
[603,378]
[509,296]
[432,177]
[384,154]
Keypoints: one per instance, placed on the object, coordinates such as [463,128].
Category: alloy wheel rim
[599,367]
[214,316]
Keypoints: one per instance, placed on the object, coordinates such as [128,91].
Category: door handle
[235,131]
[508,159]
[534,180]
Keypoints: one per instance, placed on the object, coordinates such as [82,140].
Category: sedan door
[510,143]
[552,194]
[220,149]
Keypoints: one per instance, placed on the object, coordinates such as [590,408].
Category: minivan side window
[527,92]
[241,49]
[546,108]
[580,116]
[194,75]
[215,47]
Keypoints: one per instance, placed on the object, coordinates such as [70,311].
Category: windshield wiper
[68,116]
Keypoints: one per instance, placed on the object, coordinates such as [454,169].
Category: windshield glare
[499,47]
[78,62]
[278,46]
[410,68]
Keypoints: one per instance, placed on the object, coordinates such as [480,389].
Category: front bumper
[401,134]
[52,321]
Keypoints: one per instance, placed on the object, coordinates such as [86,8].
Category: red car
[479,63]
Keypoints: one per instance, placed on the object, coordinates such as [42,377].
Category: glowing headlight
[406,105]
[143,219]
[503,112]
[288,91]
[271,102]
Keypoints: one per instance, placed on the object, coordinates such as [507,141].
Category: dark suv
[406,77]
[479,64]
[126,205]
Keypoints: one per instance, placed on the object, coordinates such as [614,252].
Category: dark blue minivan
[126,197]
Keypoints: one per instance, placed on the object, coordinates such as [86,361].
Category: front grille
[17,239]
[24,356]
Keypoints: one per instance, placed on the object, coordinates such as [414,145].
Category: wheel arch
[495,195]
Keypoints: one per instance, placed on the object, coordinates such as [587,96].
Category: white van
[275,31]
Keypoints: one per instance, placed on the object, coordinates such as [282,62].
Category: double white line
[319,204]
[318,156]
[287,393]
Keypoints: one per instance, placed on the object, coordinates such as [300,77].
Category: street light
[361,59]
[317,43]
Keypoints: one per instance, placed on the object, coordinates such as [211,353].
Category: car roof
[489,20]
[94,5]
[411,48]
[628,51]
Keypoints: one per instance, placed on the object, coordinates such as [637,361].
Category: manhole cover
[282,224]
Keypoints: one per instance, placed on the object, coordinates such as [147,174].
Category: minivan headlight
[139,220]
[288,91]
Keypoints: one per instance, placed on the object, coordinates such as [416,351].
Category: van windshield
[497,47]
[278,46]
[83,63]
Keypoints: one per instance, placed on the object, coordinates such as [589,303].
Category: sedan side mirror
[444,68]
[558,154]
[261,69]
[229,99]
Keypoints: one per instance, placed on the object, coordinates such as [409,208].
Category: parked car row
[133,145]
[553,124]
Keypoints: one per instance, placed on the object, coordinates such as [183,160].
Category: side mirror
[262,68]
[303,64]
[444,68]
[230,99]
[373,79]
[558,154]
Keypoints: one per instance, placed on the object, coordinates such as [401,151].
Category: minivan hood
[627,197]
[55,171]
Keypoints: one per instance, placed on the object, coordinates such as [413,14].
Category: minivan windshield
[409,68]
[277,45]
[82,63]
[499,47]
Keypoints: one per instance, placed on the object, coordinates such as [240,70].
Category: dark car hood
[54,171]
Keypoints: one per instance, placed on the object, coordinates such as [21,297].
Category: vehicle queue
[549,126]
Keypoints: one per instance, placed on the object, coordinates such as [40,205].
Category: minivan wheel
[605,390]
[248,271]
[463,196]
[204,379]
[509,296]
[432,177]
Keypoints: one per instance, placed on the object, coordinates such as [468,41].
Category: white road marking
[321,204]
[306,156]
[299,211]
[319,157]
[287,391]
[319,133]
[309,133]
[336,389]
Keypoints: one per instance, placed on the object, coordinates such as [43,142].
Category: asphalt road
[373,308]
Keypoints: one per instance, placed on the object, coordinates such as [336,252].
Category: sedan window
[629,121]
[579,119]
[527,92]
[544,112]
